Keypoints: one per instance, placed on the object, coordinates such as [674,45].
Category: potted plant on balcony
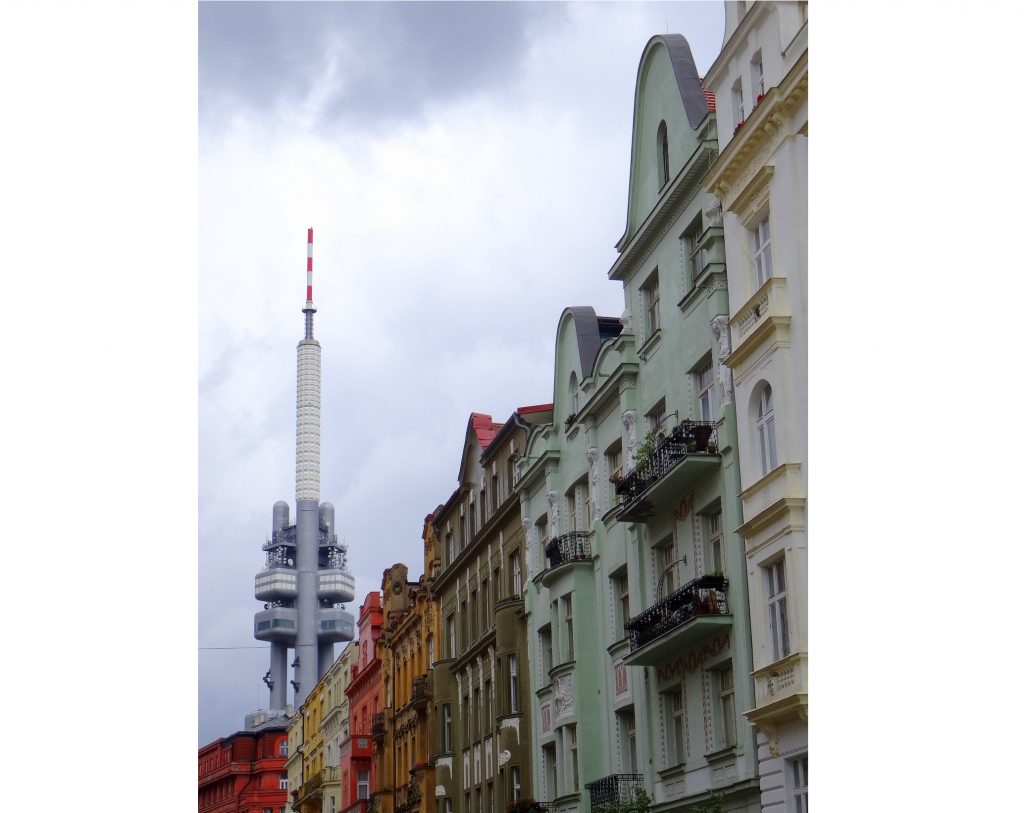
[645,451]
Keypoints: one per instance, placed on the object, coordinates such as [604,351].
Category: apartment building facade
[245,772]
[639,638]
[358,768]
[481,750]
[407,652]
[760,179]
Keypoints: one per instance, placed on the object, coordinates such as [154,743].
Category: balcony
[617,790]
[528,806]
[420,691]
[331,775]
[687,455]
[679,620]
[310,789]
[766,312]
[378,727]
[571,547]
[407,798]
[361,748]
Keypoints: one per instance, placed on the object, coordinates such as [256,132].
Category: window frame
[650,293]
[764,428]
[777,601]
[761,251]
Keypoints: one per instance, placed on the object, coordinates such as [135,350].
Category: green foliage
[646,449]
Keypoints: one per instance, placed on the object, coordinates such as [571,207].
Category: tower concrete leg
[325,657]
[279,676]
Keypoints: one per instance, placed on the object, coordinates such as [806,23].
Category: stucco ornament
[553,513]
[504,757]
[593,458]
[629,422]
[528,546]
[563,696]
[713,213]
[720,330]
[626,320]
[438,790]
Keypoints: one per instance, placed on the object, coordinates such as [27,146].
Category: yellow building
[407,649]
[315,737]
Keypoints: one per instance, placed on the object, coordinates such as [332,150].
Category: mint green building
[636,601]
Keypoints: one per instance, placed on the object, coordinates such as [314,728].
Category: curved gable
[668,90]
[581,333]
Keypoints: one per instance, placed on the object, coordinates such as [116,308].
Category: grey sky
[464,169]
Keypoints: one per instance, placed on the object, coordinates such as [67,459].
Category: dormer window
[662,155]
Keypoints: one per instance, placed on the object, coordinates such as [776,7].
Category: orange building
[358,776]
[407,648]
[245,771]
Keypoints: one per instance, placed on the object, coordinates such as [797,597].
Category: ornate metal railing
[689,438]
[420,689]
[615,791]
[571,547]
[377,725]
[704,595]
[407,797]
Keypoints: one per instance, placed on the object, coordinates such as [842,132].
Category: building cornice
[758,138]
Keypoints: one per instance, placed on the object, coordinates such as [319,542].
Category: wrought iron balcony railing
[704,595]
[571,547]
[689,438]
[420,689]
[616,790]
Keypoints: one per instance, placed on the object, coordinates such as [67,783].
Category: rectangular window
[448,805]
[695,259]
[570,651]
[707,399]
[727,705]
[488,725]
[762,253]
[550,771]
[675,725]
[657,418]
[282,781]
[472,616]
[651,303]
[517,788]
[545,652]
[449,546]
[715,557]
[466,713]
[450,623]
[478,708]
[517,574]
[494,493]
[757,77]
[778,618]
[798,780]
[363,785]
[667,568]
[571,500]
[513,684]
[627,739]
[620,590]
[573,779]
[446,728]
[737,102]
[613,460]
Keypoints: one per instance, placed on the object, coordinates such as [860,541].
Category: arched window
[765,426]
[662,155]
[574,393]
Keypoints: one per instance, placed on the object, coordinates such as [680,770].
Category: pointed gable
[669,105]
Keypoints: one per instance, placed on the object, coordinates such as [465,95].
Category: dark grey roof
[591,332]
[687,78]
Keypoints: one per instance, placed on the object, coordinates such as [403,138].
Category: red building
[358,774]
[244,773]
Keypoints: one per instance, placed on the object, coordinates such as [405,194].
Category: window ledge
[650,347]
[673,772]
[722,755]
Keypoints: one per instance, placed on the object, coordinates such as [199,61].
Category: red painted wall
[241,773]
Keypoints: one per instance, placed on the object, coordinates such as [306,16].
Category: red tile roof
[484,428]
[536,408]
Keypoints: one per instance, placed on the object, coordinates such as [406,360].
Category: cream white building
[760,178]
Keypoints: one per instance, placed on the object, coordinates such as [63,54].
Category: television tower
[306,575]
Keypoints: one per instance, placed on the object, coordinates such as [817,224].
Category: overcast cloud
[464,168]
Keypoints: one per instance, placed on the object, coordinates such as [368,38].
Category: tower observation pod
[305,579]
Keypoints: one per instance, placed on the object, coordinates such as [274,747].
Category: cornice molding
[758,138]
